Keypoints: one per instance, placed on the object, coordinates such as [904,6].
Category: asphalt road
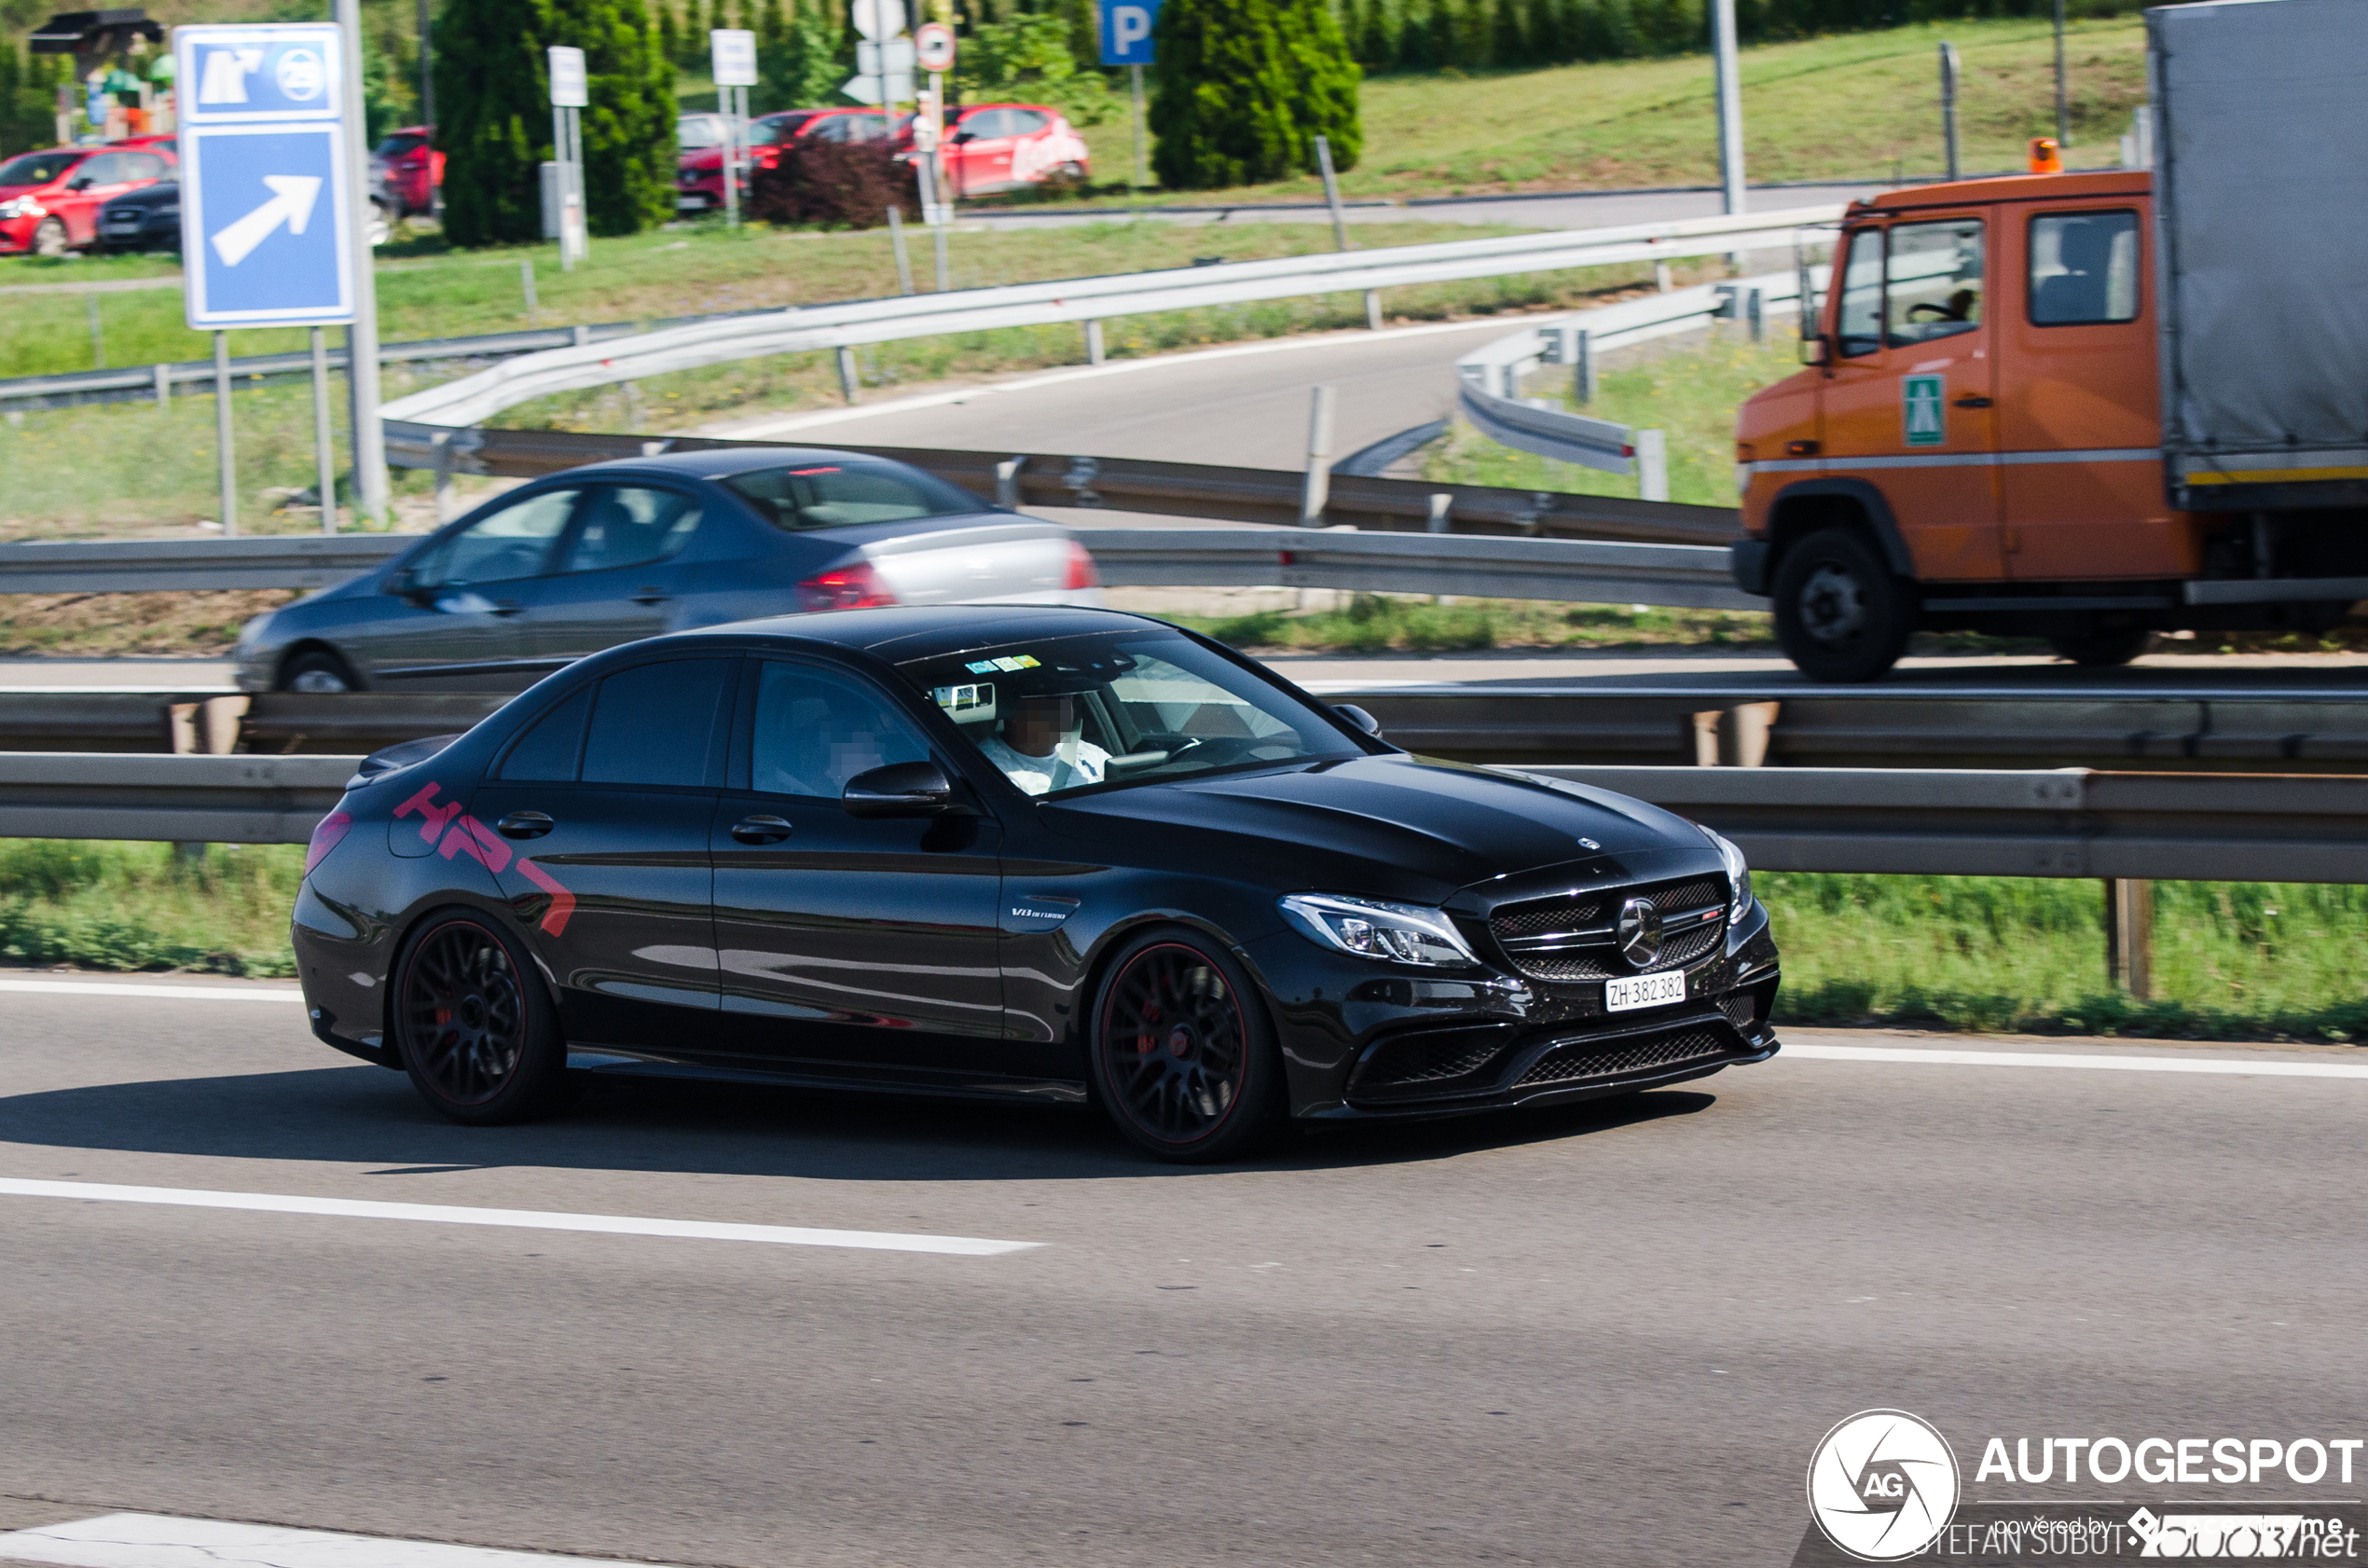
[1598,1336]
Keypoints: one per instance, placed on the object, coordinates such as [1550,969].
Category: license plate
[1644,990]
[690,203]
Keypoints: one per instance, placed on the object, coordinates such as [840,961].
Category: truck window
[1859,330]
[2084,269]
[1936,278]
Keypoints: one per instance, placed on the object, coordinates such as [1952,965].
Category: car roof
[899,633]
[720,462]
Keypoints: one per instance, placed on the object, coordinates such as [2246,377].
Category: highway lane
[1605,1336]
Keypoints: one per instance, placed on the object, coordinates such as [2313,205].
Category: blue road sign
[1126,31]
[267,216]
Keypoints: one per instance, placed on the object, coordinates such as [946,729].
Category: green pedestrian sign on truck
[1919,399]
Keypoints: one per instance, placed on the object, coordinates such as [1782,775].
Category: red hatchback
[407,168]
[49,201]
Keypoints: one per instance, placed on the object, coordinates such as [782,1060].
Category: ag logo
[1882,1485]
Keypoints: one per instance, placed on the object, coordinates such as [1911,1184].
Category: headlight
[1399,933]
[21,207]
[1738,876]
[252,633]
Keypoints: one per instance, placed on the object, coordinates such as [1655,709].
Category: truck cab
[1979,443]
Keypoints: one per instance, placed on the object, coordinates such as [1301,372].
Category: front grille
[1579,1060]
[1572,937]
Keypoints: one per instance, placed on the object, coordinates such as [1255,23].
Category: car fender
[1872,505]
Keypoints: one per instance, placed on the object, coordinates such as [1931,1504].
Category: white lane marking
[157,1541]
[528,1220]
[167,992]
[2234,1066]
[764,429]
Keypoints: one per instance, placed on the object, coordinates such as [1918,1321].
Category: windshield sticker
[966,702]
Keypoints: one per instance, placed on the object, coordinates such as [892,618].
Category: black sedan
[1035,853]
[146,219]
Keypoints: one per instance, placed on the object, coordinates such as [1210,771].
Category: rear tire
[473,1025]
[317,672]
[2103,647]
[1841,614]
[1182,1050]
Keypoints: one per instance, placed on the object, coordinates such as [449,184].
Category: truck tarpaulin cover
[2262,186]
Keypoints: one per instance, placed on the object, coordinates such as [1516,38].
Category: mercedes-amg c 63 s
[1042,853]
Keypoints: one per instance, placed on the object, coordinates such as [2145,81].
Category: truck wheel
[1841,614]
[2102,647]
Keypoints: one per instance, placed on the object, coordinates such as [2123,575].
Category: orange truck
[2092,406]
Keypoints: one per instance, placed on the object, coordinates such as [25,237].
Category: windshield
[839,494]
[36,169]
[399,144]
[693,131]
[1069,714]
[774,128]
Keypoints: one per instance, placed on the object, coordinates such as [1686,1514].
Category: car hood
[1399,826]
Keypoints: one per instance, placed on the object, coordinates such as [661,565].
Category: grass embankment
[2232,960]
[1850,106]
[1375,623]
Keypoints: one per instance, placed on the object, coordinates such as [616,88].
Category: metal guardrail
[2064,822]
[471,400]
[102,566]
[1490,377]
[2069,822]
[1878,726]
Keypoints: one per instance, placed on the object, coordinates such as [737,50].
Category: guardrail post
[847,374]
[526,280]
[1661,277]
[1373,309]
[1652,465]
[1583,365]
[1092,342]
[1702,729]
[2129,936]
[580,335]
[896,241]
[164,386]
[1755,311]
[632,391]
[1007,483]
[442,444]
[1749,725]
[1318,490]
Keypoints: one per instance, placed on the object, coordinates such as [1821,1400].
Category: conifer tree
[1245,87]
[798,65]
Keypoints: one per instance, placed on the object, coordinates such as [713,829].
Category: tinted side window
[1861,327]
[625,525]
[513,543]
[550,748]
[105,170]
[2084,269]
[817,729]
[655,724]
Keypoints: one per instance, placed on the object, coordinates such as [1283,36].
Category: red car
[405,170]
[698,170]
[1004,146]
[49,201]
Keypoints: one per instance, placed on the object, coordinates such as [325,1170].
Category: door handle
[650,596]
[1973,403]
[523,824]
[761,829]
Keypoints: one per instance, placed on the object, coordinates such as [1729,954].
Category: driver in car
[1042,746]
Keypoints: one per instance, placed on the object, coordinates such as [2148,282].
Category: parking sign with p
[1126,31]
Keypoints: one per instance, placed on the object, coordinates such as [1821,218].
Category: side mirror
[1816,350]
[899,789]
[80,182]
[962,138]
[1358,717]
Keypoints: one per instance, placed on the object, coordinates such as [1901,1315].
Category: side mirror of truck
[1816,350]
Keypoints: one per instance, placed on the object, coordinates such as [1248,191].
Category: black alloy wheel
[1841,614]
[1182,1057]
[473,1025]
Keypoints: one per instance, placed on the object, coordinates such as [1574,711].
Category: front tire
[50,238]
[1841,614]
[473,1025]
[1182,1051]
[317,672]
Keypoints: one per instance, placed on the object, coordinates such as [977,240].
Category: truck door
[2078,413]
[1909,406]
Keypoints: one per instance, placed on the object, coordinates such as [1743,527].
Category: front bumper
[1365,1041]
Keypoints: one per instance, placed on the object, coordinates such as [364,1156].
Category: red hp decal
[468,836]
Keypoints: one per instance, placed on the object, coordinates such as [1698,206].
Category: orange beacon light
[2046,158]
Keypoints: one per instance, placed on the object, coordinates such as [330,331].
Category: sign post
[733,50]
[569,93]
[1127,26]
[269,231]
[933,50]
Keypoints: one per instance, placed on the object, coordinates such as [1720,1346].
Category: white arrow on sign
[291,199]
